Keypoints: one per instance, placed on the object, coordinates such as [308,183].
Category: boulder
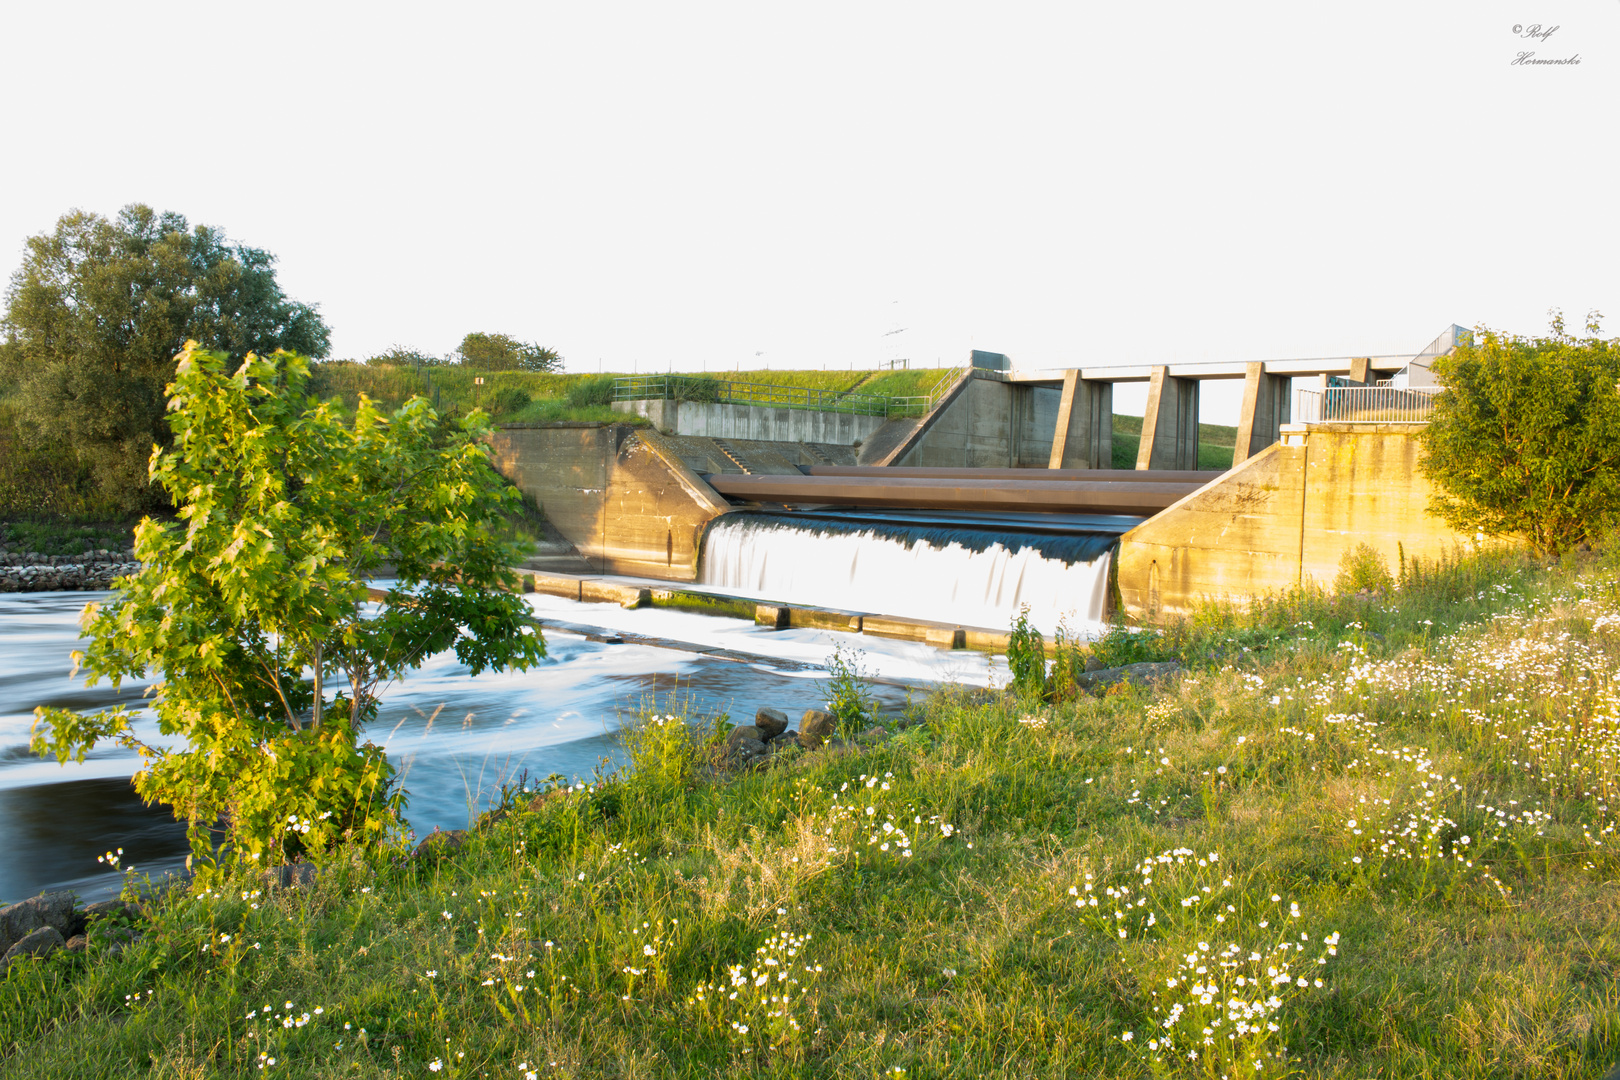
[77,943]
[40,943]
[872,736]
[738,738]
[770,722]
[1140,674]
[815,728]
[291,875]
[1094,664]
[784,741]
[437,844]
[111,909]
[17,921]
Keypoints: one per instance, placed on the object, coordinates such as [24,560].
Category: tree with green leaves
[1525,439]
[253,607]
[498,352]
[97,312]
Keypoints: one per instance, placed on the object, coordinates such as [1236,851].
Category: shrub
[591,390]
[508,399]
[849,691]
[1026,656]
[1363,569]
[1525,441]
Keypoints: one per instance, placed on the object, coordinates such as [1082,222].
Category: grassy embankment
[1215,443]
[1429,776]
[559,397]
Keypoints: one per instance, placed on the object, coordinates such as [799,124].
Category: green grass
[1215,443]
[583,936]
[61,537]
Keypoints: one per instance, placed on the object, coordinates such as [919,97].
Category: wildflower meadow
[1357,836]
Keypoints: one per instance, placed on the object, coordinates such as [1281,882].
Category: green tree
[498,352]
[97,312]
[254,603]
[406,356]
[1525,440]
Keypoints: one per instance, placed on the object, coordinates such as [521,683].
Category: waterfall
[974,572]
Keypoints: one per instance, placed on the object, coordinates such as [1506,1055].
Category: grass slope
[1392,816]
[1215,443]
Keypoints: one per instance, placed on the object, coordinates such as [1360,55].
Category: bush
[1525,441]
[592,390]
[1026,656]
[508,399]
[704,389]
[1122,645]
[849,691]
[1363,569]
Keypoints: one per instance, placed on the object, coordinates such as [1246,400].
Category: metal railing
[706,388]
[1364,405]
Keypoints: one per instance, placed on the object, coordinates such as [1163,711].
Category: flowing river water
[456,737]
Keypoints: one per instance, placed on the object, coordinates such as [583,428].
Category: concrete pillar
[1084,438]
[1169,424]
[1361,371]
[1265,409]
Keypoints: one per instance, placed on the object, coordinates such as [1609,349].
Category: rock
[1094,664]
[770,722]
[292,875]
[491,818]
[544,797]
[815,727]
[77,943]
[40,943]
[17,921]
[111,909]
[438,844]
[115,939]
[737,736]
[784,741]
[872,736]
[1139,674]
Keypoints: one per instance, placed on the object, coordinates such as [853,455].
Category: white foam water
[940,575]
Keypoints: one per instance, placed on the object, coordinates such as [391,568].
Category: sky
[699,186]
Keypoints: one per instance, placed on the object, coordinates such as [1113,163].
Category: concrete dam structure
[996,498]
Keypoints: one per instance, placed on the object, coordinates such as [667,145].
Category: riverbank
[1391,817]
[34,572]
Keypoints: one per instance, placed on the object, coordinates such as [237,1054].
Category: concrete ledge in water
[629,593]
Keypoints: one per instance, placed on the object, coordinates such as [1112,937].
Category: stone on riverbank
[816,727]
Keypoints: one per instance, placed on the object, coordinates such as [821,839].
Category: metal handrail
[1365,405]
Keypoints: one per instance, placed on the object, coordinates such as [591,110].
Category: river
[456,737]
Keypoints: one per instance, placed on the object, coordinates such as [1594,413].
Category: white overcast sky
[701,185]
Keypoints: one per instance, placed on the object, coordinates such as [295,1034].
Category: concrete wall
[734,421]
[627,503]
[989,424]
[1284,517]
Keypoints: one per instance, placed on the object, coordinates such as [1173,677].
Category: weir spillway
[976,570]
[1061,491]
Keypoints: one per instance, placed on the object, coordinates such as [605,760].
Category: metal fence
[706,388]
[1363,405]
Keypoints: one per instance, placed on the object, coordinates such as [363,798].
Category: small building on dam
[994,493]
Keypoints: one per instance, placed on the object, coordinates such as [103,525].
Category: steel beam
[1074,496]
[1032,476]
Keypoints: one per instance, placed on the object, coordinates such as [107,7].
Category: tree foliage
[97,312]
[1525,440]
[498,352]
[406,356]
[253,607]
